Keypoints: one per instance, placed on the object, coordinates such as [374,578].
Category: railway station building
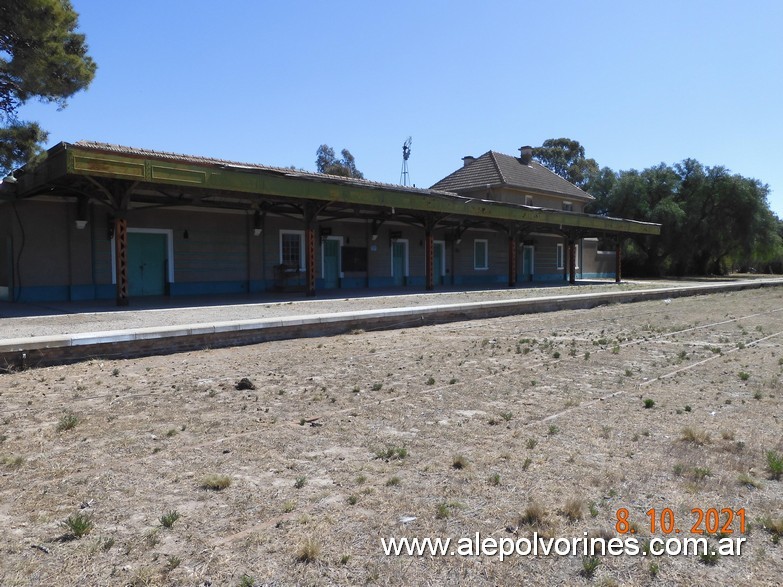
[98,221]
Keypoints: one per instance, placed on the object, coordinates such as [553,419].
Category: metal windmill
[406,152]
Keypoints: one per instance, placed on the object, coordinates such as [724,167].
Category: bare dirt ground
[526,424]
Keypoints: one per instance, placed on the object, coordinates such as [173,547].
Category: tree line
[713,221]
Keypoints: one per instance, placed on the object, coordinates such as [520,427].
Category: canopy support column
[571,261]
[512,261]
[121,256]
[429,261]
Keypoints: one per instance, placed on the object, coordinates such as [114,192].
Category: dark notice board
[354,258]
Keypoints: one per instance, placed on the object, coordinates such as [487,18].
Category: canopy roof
[124,177]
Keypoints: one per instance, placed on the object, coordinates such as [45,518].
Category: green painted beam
[305,186]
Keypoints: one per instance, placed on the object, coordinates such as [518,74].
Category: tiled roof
[496,169]
[198,160]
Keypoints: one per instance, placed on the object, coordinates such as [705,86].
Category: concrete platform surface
[51,333]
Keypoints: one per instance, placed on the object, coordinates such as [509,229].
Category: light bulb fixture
[81,212]
[257,229]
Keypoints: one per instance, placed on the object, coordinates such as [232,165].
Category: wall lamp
[81,213]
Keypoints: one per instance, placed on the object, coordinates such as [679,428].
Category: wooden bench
[288,278]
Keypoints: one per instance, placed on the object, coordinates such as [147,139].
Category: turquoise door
[331,263]
[146,264]
[438,256]
[399,253]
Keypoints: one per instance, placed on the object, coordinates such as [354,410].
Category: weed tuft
[700,473]
[774,465]
[573,509]
[443,511]
[534,515]
[214,482]
[79,525]
[309,551]
[589,565]
[709,558]
[67,422]
[748,481]
[773,526]
[697,436]
[167,520]
[391,453]
[12,462]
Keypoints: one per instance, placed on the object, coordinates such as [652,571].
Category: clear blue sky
[637,83]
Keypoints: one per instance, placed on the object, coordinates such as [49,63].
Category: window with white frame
[480,254]
[568,206]
[292,248]
[560,256]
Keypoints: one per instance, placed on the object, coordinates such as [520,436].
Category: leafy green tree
[327,162]
[42,56]
[600,186]
[727,218]
[712,221]
[566,157]
[650,196]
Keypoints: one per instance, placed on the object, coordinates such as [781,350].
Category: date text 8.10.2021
[709,521]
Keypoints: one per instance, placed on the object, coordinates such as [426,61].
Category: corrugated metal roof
[198,160]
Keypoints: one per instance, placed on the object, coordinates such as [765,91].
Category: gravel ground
[27,320]
[547,423]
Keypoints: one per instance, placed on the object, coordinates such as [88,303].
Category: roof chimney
[526,154]
[467,160]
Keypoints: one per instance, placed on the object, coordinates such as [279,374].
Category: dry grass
[697,436]
[309,551]
[381,463]
[215,482]
[573,510]
[534,516]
